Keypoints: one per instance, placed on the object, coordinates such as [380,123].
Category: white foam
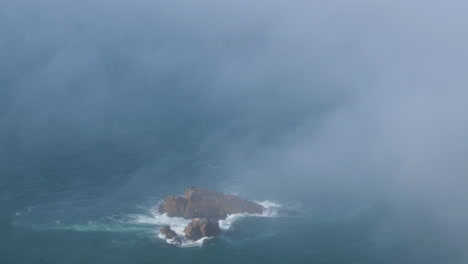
[270,210]
[183,242]
[230,219]
[197,243]
[151,222]
[178,224]
[269,204]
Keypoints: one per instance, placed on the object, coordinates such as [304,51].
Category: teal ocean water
[349,118]
[80,203]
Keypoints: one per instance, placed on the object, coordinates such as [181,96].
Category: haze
[315,103]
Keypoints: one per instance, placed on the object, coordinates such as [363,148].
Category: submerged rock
[201,227]
[201,203]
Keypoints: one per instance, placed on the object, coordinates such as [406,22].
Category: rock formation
[171,234]
[205,208]
[168,232]
[173,206]
[202,227]
[200,203]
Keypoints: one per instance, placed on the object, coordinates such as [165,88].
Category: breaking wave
[271,209]
[176,223]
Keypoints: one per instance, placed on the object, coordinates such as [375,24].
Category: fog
[313,102]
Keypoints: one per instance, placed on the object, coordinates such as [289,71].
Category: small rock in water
[171,234]
[168,232]
[202,227]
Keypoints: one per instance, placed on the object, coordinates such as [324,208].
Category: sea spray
[178,224]
[270,210]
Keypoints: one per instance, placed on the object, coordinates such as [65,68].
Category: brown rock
[174,206]
[168,232]
[201,203]
[201,227]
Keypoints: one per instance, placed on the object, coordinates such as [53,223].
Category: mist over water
[352,115]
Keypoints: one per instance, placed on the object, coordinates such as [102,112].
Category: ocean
[347,119]
[89,203]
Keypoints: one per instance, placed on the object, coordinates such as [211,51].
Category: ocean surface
[74,202]
[347,119]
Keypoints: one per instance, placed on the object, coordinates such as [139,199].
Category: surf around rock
[205,207]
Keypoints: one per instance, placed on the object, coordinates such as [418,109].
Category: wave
[178,224]
[271,209]
[105,224]
[148,223]
[158,220]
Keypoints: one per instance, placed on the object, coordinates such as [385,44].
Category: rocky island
[205,207]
